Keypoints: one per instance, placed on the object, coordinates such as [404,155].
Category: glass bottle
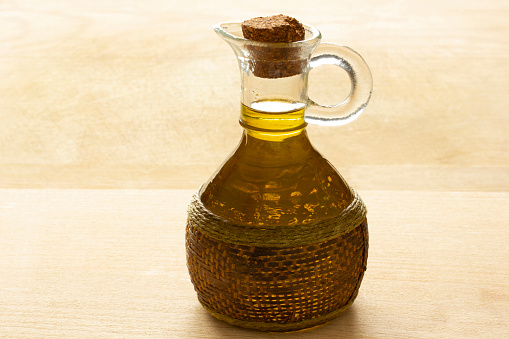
[276,239]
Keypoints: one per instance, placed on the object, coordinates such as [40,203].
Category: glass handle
[360,77]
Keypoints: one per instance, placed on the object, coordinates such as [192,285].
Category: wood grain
[121,94]
[111,263]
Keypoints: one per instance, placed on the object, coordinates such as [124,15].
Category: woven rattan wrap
[277,288]
[281,236]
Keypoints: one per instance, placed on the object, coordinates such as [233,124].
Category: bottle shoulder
[285,183]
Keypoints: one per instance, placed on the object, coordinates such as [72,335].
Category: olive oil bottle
[276,240]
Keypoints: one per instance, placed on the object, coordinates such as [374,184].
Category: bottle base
[279,287]
[279,327]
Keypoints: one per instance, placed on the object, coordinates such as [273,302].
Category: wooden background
[139,102]
[137,94]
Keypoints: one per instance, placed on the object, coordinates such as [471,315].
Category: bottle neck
[273,120]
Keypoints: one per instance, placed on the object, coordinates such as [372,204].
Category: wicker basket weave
[276,288]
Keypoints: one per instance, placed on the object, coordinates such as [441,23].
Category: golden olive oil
[275,176]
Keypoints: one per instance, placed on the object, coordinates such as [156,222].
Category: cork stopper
[276,28]
[277,61]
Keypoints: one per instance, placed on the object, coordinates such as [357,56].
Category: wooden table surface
[113,113]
